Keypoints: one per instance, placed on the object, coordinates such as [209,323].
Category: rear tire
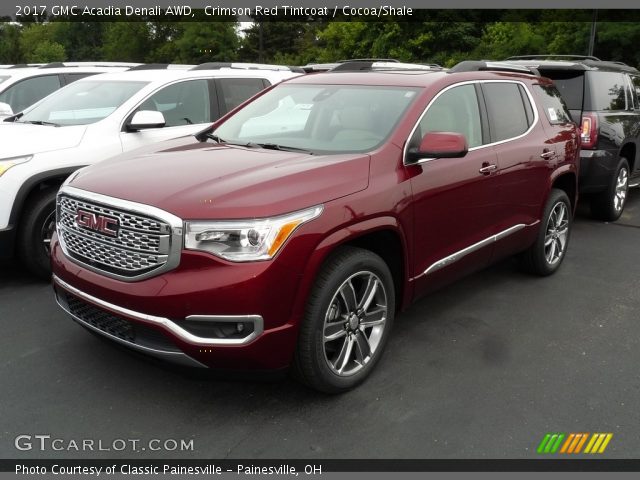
[347,321]
[34,235]
[545,256]
[608,205]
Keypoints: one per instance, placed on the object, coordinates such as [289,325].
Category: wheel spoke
[333,331]
[363,349]
[369,293]
[345,355]
[548,239]
[348,295]
[559,248]
[375,317]
[562,210]
[552,252]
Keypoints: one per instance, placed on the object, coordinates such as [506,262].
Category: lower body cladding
[197,337]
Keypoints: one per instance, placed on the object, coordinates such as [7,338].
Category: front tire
[36,228]
[545,256]
[347,321]
[608,205]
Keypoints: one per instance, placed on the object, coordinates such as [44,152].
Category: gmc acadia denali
[293,229]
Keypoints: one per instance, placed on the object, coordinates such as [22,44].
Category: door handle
[548,154]
[488,168]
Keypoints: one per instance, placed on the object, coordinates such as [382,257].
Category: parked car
[23,85]
[253,248]
[604,99]
[96,118]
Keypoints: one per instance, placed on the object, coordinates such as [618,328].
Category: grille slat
[142,243]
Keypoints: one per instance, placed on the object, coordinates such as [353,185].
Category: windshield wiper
[213,137]
[284,148]
[40,122]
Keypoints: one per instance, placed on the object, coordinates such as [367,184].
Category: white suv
[23,85]
[96,118]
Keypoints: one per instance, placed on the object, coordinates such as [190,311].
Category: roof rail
[551,56]
[381,65]
[388,60]
[484,65]
[20,65]
[150,66]
[241,66]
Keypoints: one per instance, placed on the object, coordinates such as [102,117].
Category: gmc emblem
[99,223]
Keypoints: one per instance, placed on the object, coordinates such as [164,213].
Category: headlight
[246,240]
[7,163]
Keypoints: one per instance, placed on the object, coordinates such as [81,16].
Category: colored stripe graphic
[550,443]
[572,443]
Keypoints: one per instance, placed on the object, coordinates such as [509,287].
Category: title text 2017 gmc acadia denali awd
[294,229]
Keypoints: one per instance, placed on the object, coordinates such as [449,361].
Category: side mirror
[439,145]
[144,119]
[5,109]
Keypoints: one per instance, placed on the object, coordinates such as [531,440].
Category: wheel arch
[383,236]
[628,151]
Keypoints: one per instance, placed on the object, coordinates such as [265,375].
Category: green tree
[127,42]
[207,42]
[10,47]
[38,45]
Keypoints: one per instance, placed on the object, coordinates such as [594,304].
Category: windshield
[82,103]
[319,118]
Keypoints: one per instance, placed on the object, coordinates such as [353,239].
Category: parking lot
[482,369]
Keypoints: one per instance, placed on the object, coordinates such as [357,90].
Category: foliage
[433,36]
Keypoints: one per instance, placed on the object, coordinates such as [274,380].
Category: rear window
[553,105]
[606,91]
[569,84]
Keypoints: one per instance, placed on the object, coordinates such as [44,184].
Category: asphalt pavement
[481,369]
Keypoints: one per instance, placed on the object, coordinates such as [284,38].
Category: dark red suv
[294,229]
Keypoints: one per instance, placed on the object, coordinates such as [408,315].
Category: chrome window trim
[454,257]
[176,224]
[169,325]
[534,107]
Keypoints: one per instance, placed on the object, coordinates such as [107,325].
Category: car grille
[140,244]
[117,326]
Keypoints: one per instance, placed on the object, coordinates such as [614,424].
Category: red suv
[293,230]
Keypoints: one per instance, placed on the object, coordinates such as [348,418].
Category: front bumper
[175,316]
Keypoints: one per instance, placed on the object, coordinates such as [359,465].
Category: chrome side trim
[175,223]
[446,261]
[167,324]
[534,107]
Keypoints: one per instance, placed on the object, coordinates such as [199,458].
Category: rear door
[454,199]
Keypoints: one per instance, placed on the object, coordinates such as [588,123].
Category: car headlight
[7,163]
[246,240]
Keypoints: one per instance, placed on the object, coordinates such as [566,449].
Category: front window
[82,102]
[320,118]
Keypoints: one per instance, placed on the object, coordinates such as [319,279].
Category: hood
[26,139]
[203,181]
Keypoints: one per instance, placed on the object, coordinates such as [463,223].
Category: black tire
[317,363]
[554,233]
[38,211]
[609,205]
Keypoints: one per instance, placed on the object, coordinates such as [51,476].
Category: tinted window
[456,110]
[72,77]
[234,91]
[27,92]
[636,89]
[606,90]
[569,84]
[82,102]
[506,108]
[553,105]
[183,103]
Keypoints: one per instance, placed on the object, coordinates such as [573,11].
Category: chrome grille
[142,244]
